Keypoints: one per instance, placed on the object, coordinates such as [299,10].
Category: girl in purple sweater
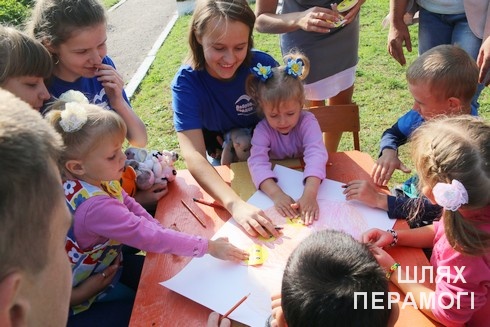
[104,216]
[286,132]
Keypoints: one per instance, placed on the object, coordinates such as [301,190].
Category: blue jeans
[436,29]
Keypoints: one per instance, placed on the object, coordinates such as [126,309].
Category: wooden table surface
[156,305]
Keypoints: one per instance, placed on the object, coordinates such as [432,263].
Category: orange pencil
[193,213]
[234,307]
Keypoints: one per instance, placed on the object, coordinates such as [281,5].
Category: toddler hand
[224,250]
[283,204]
[385,165]
[213,321]
[384,259]
[377,237]
[308,207]
[365,192]
[277,313]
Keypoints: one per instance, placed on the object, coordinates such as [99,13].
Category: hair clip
[73,117]
[262,72]
[73,96]
[294,67]
[450,196]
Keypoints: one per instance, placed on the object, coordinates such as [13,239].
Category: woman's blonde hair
[221,10]
[100,124]
[21,55]
[457,148]
[280,86]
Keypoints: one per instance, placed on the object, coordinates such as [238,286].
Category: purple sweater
[102,217]
[305,140]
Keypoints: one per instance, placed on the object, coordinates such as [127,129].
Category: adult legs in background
[332,140]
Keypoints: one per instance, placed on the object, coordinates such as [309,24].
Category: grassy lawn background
[380,88]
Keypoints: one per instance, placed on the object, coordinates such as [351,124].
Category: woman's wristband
[395,236]
[393,268]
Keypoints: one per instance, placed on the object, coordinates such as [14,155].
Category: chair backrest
[339,118]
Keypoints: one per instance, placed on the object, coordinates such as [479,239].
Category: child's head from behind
[32,207]
[220,36]
[93,139]
[74,32]
[321,278]
[278,92]
[443,81]
[453,154]
[24,64]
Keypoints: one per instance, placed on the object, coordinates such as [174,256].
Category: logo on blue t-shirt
[244,106]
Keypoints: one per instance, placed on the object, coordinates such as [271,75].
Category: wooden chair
[339,118]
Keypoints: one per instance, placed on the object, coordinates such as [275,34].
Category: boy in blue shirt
[442,81]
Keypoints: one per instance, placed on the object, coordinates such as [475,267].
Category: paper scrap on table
[217,284]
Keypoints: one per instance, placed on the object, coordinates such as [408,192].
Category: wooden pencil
[235,306]
[211,204]
[193,213]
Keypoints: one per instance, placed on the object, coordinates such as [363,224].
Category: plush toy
[236,146]
[154,167]
[144,176]
[128,180]
[163,165]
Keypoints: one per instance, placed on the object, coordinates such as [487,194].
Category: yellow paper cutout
[295,222]
[257,255]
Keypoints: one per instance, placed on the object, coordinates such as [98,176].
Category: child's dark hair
[457,148]
[321,278]
[280,85]
[21,55]
[53,21]
[222,10]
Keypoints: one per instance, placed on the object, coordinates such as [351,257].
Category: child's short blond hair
[30,186]
[448,71]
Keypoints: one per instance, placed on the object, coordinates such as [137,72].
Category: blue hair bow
[294,67]
[262,72]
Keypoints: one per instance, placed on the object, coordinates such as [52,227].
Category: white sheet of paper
[219,284]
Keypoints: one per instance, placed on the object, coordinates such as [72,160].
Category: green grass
[109,3]
[380,88]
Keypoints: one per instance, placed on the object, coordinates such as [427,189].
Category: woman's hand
[253,220]
[113,84]
[352,13]
[318,19]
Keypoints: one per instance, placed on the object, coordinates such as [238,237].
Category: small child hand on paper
[213,321]
[224,250]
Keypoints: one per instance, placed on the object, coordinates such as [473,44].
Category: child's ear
[75,167]
[13,305]
[48,45]
[455,106]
